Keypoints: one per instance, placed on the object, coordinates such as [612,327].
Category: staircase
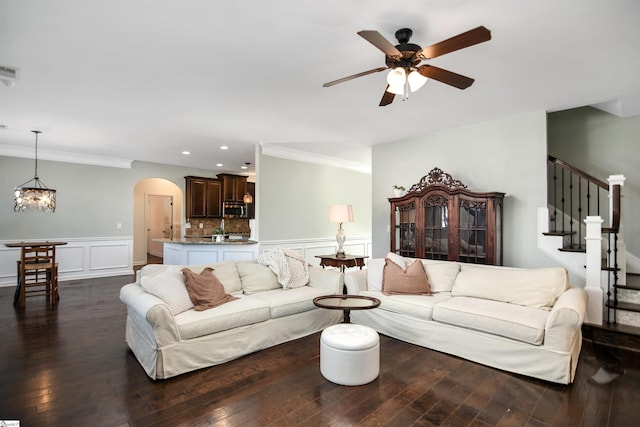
[571,231]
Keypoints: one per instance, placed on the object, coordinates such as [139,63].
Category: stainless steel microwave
[234,210]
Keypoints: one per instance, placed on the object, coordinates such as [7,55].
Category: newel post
[621,246]
[593,286]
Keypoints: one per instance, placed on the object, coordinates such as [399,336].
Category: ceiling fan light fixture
[416,80]
[397,77]
[396,89]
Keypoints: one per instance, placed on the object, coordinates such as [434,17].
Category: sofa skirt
[166,361]
[502,353]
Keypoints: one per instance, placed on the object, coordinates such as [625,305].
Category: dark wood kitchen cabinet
[234,187]
[203,197]
[439,218]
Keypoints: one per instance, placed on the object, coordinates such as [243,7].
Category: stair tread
[615,327]
[559,233]
[625,306]
[629,287]
[572,249]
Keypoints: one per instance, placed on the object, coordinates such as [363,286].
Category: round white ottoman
[349,354]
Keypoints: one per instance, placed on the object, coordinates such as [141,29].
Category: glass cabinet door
[436,228]
[472,240]
[405,229]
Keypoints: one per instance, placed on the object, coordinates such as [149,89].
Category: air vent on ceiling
[8,75]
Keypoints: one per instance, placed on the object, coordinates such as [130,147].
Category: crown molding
[627,106]
[276,150]
[61,156]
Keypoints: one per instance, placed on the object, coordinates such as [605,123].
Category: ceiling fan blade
[470,38]
[378,40]
[387,98]
[444,76]
[354,76]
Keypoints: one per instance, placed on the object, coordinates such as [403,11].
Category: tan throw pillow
[205,290]
[413,280]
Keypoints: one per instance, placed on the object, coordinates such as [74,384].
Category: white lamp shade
[416,80]
[396,89]
[340,213]
[397,77]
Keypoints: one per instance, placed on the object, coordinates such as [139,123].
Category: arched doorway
[157,206]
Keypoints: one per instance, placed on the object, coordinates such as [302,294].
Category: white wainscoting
[313,247]
[80,258]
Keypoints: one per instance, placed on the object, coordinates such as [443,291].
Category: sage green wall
[507,155]
[294,199]
[602,144]
[91,200]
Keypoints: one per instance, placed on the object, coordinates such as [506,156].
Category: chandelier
[34,195]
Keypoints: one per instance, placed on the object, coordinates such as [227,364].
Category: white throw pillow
[168,285]
[398,260]
[441,274]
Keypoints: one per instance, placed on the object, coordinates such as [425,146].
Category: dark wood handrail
[577,171]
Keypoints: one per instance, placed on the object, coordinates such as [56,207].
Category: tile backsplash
[231,226]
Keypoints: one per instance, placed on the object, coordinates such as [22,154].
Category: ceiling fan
[404,58]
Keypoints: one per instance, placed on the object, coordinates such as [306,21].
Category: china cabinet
[439,218]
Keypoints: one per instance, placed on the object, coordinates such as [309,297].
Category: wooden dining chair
[37,274]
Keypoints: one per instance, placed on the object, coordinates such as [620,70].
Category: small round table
[346,303]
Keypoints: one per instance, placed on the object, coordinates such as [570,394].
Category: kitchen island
[202,250]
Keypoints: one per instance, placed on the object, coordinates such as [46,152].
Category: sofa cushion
[539,288]
[507,320]
[410,280]
[418,306]
[375,267]
[205,290]
[441,274]
[285,302]
[290,267]
[240,312]
[227,273]
[256,277]
[167,283]
[398,260]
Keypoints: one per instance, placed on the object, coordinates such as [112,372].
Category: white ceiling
[145,80]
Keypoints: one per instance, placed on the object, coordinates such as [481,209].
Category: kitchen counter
[200,250]
[206,241]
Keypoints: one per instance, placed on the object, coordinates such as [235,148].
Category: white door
[159,218]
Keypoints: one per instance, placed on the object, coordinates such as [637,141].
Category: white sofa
[168,340]
[526,321]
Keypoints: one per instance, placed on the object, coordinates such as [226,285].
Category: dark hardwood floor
[69,366]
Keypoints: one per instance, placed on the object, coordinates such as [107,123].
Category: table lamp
[340,214]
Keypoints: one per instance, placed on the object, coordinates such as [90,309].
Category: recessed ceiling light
[186,153]
[219,165]
[224,147]
[244,167]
